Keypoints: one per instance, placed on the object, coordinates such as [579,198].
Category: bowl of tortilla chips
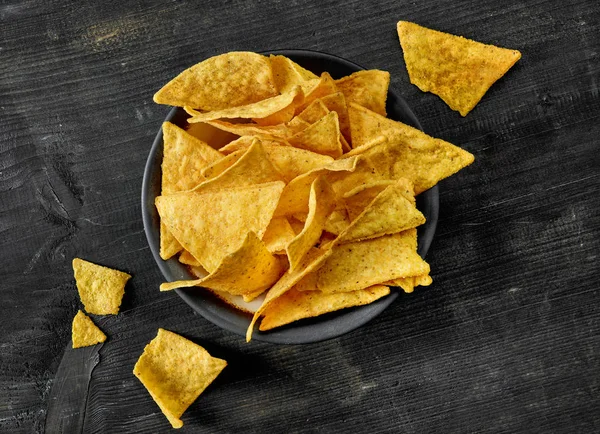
[298,203]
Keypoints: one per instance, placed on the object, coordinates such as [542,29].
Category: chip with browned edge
[458,70]
[175,371]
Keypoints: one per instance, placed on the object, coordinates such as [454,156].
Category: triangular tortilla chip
[271,132]
[196,218]
[322,137]
[357,199]
[313,112]
[253,167]
[367,88]
[336,102]
[250,269]
[321,203]
[288,74]
[259,109]
[408,152]
[323,87]
[175,371]
[84,332]
[101,289]
[389,213]
[184,157]
[458,70]
[294,198]
[278,235]
[228,80]
[361,264]
[311,262]
[295,305]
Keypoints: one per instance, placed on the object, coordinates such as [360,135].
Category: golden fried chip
[313,260]
[320,204]
[361,264]
[100,288]
[458,70]
[215,169]
[175,371]
[271,132]
[215,137]
[408,283]
[322,137]
[294,198]
[279,117]
[313,112]
[244,142]
[252,168]
[295,305]
[259,109]
[195,218]
[188,259]
[367,88]
[184,157]
[84,332]
[336,102]
[249,269]
[324,86]
[288,74]
[357,199]
[228,80]
[408,152]
[278,235]
[296,125]
[389,213]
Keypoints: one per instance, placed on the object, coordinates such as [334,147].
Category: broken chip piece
[84,332]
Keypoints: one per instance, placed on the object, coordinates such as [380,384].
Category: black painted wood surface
[507,339]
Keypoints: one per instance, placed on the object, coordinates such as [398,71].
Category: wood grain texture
[507,339]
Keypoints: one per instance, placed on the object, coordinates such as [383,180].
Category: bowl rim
[221,315]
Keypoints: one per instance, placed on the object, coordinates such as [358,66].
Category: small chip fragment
[84,332]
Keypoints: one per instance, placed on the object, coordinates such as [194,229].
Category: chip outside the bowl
[175,371]
[101,289]
[84,332]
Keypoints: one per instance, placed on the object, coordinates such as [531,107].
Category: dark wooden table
[507,339]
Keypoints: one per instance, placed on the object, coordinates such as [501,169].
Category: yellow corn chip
[408,283]
[367,88]
[389,213]
[271,132]
[228,80]
[296,125]
[215,169]
[279,117]
[244,142]
[278,235]
[357,199]
[322,137]
[361,264]
[313,112]
[336,102]
[259,109]
[250,269]
[184,157]
[253,167]
[84,332]
[294,198]
[458,70]
[175,371]
[324,86]
[408,152]
[288,74]
[100,288]
[295,305]
[311,262]
[320,204]
[215,137]
[188,259]
[195,218]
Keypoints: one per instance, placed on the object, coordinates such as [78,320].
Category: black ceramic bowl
[223,315]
